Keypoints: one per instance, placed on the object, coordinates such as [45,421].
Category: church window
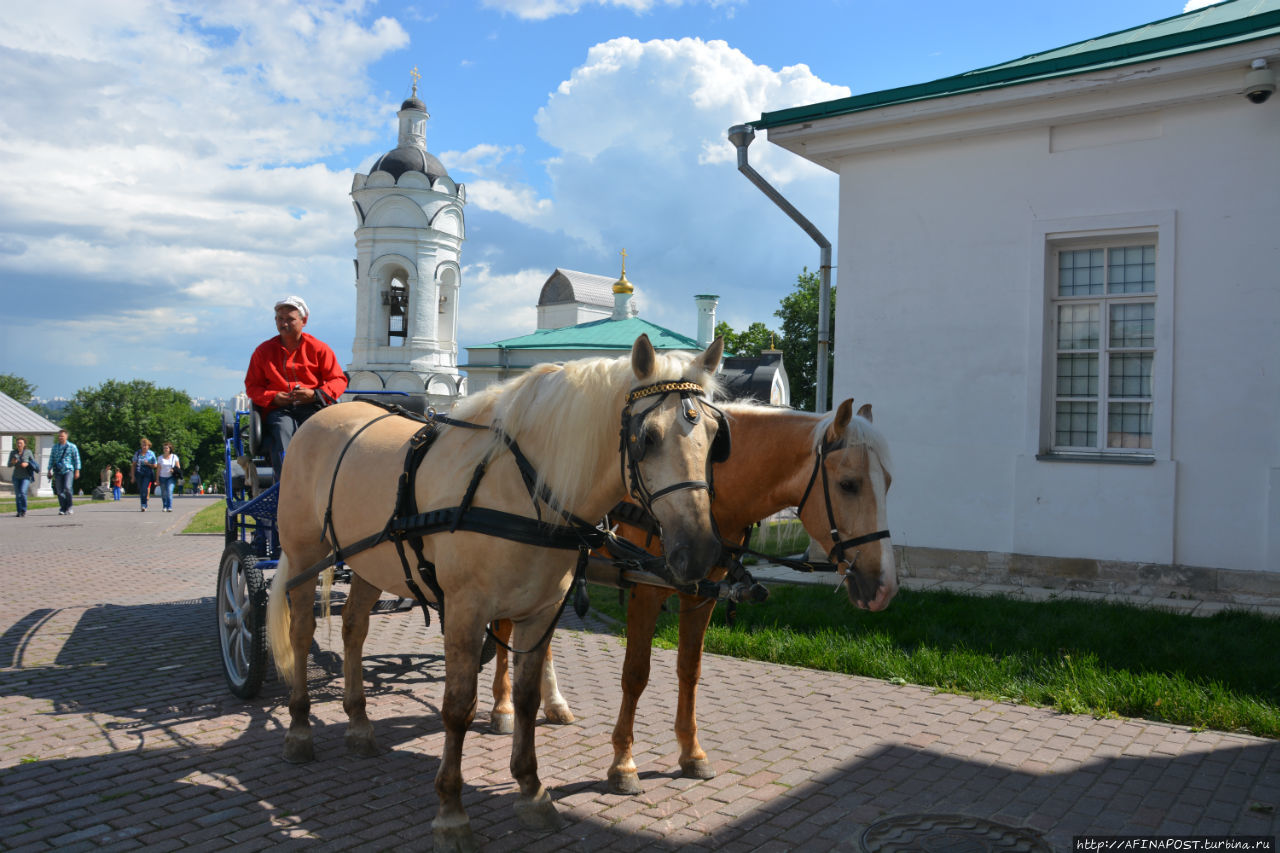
[396,298]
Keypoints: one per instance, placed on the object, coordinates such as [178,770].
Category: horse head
[670,436]
[845,500]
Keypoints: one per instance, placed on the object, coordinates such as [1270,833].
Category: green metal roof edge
[547,338]
[1249,28]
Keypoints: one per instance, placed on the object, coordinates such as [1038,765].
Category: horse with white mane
[338,487]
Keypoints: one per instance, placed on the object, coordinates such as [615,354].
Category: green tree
[757,337]
[798,312]
[17,388]
[107,422]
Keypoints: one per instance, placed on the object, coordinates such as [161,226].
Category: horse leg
[502,717]
[464,635]
[533,807]
[298,744]
[642,618]
[695,615]
[355,628]
[554,705]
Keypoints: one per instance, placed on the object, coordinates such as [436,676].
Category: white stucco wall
[940,269]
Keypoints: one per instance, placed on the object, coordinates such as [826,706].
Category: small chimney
[706,303]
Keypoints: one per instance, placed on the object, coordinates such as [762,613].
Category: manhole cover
[934,833]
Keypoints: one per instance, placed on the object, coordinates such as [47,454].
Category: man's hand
[295,396]
[77,476]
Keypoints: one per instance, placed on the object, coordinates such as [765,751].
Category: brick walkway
[117,732]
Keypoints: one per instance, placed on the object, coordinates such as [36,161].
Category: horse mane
[565,416]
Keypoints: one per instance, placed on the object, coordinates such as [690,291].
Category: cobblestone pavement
[118,733]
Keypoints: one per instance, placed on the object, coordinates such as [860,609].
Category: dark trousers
[62,484]
[278,428]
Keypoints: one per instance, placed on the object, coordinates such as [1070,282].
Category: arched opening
[396,298]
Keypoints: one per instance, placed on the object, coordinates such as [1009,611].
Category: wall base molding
[1111,577]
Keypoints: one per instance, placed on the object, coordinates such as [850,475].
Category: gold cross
[624,261]
[416,77]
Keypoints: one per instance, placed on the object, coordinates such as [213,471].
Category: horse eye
[850,486]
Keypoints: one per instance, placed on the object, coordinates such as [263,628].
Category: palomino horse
[340,478]
[836,469]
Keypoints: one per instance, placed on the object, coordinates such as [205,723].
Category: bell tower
[409,233]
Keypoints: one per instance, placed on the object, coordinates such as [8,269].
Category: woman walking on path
[168,464]
[144,470]
[23,463]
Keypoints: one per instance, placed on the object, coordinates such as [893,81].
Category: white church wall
[939,272]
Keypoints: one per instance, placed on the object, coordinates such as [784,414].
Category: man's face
[62,437]
[289,322]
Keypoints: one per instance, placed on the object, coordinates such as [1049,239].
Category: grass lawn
[1076,657]
[211,519]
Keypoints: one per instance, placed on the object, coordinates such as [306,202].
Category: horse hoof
[502,724]
[697,769]
[538,813]
[453,839]
[299,750]
[362,746]
[625,783]
[560,715]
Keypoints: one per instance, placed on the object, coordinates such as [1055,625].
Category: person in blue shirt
[145,464]
[64,469]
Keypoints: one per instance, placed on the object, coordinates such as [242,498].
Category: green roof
[606,334]
[1215,26]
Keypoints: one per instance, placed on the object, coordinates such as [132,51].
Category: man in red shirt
[291,377]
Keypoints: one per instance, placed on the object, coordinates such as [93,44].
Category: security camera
[1260,82]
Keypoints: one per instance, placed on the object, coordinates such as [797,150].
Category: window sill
[1104,458]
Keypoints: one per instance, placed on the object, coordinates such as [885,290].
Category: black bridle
[837,553]
[632,447]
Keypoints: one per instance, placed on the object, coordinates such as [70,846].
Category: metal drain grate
[940,833]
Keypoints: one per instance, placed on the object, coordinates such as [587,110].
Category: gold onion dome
[622,285]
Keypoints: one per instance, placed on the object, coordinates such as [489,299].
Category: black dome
[407,158]
[413,104]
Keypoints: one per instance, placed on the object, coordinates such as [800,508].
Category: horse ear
[843,414]
[865,412]
[643,358]
[711,357]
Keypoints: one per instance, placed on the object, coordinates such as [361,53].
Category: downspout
[741,135]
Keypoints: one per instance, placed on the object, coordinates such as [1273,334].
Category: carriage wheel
[242,627]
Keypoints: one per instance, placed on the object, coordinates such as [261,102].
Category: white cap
[296,302]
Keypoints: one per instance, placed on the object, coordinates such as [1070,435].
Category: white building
[409,234]
[1060,288]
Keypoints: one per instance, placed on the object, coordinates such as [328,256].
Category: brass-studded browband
[663,388]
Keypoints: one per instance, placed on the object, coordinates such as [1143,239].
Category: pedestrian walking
[117,483]
[169,464]
[64,470]
[25,468]
[143,470]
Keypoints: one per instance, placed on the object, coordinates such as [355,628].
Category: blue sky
[172,167]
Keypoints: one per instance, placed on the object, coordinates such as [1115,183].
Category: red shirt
[273,369]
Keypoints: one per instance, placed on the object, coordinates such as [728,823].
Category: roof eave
[1081,95]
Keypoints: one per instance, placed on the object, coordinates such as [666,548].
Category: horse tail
[278,622]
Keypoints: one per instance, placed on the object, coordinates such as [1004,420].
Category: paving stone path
[117,732]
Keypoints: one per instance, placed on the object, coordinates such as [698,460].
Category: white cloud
[541,10]
[643,162]
[1192,5]
[499,306]
[160,160]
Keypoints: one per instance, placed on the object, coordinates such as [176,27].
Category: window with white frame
[1104,343]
